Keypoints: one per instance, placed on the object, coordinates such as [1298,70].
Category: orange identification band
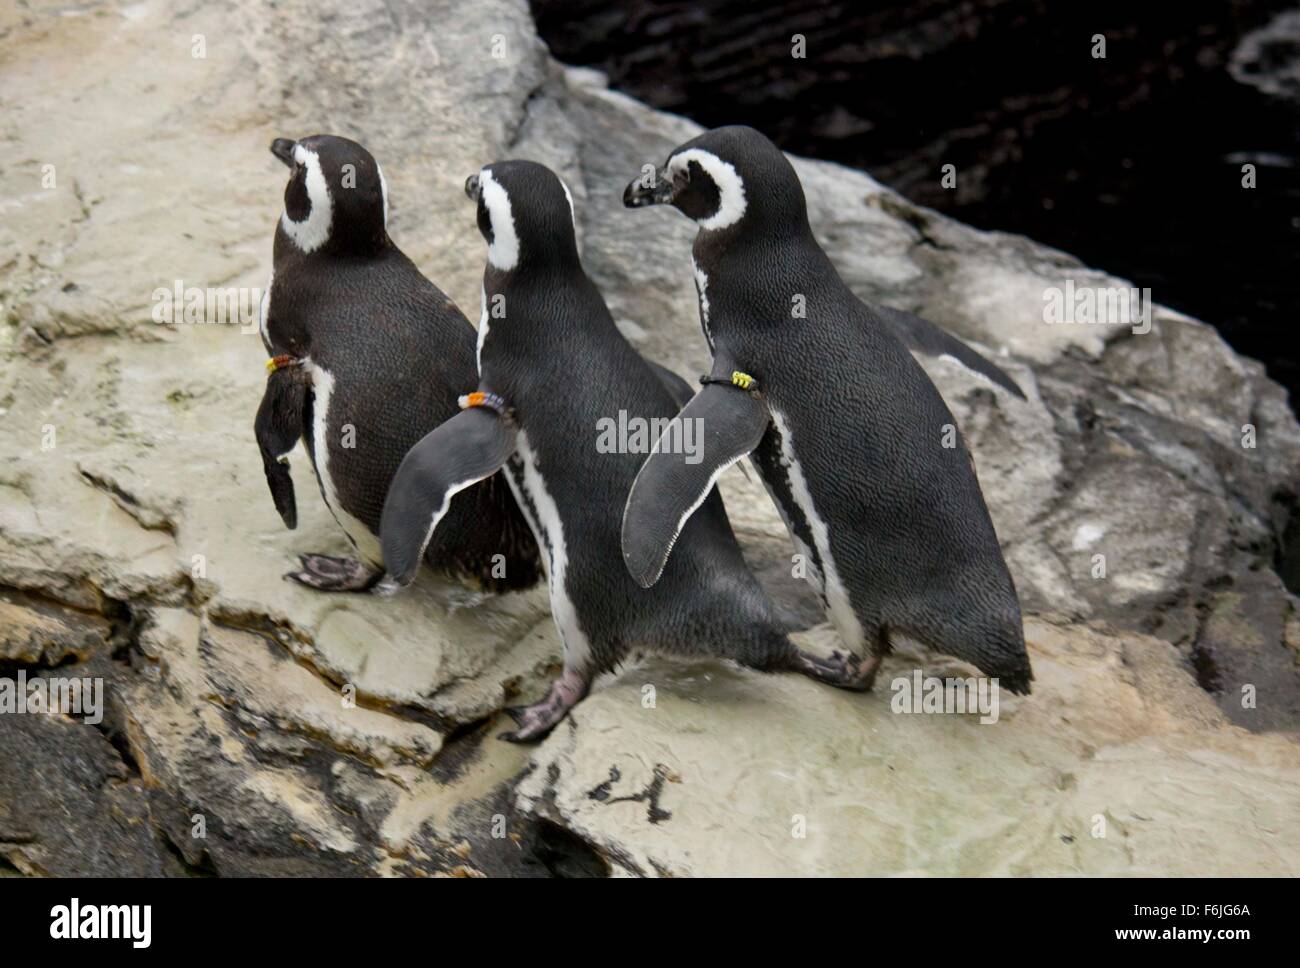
[281,361]
[481,398]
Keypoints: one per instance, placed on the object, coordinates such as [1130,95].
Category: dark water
[1132,162]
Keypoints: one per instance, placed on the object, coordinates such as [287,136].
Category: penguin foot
[843,670]
[537,720]
[327,573]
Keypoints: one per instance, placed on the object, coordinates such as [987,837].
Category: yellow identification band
[742,380]
[739,379]
[279,362]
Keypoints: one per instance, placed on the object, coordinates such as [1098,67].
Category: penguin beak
[282,148]
[658,192]
[472,188]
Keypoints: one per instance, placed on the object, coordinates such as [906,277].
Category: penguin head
[525,213]
[723,178]
[336,199]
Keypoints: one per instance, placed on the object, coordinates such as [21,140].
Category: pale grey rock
[143,547]
[1118,765]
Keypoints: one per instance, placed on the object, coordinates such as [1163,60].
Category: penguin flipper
[922,336]
[670,486]
[461,452]
[681,392]
[278,426]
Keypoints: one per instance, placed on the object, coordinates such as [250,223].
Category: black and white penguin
[367,356]
[554,370]
[854,443]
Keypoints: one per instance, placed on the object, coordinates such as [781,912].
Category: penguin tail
[994,645]
[1017,682]
[922,336]
[1009,663]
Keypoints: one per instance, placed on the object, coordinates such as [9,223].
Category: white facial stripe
[313,231]
[383,190]
[503,251]
[731,187]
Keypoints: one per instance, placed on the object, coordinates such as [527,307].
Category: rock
[256,727]
[70,806]
[35,633]
[1269,58]
[735,773]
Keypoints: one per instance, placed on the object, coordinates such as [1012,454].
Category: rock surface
[255,727]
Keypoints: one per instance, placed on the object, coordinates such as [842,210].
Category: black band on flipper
[738,379]
[461,452]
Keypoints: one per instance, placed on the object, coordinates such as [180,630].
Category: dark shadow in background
[1133,162]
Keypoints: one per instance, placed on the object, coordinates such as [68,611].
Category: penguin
[366,357]
[553,371]
[853,442]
